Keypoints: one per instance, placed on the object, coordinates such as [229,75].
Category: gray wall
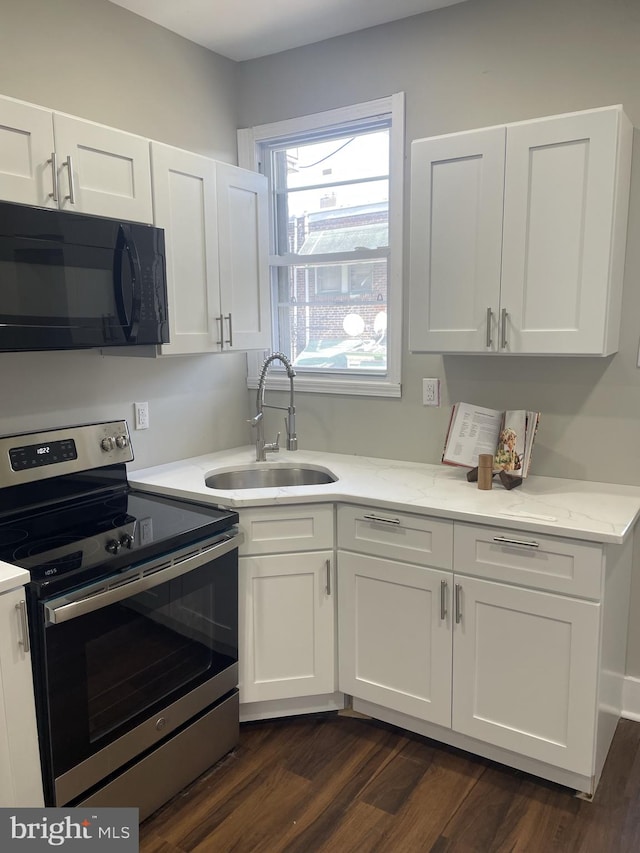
[479,63]
[95,60]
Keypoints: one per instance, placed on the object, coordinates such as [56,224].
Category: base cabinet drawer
[396,536]
[278,530]
[533,560]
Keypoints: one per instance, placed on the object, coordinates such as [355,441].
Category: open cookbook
[507,435]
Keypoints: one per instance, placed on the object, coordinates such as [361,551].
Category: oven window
[113,668]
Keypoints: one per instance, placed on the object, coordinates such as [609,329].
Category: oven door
[130,660]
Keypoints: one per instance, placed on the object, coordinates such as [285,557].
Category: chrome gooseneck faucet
[262,447]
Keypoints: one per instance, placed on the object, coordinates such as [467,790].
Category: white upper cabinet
[184,204]
[244,259]
[214,216]
[26,148]
[215,221]
[53,160]
[456,239]
[102,170]
[518,236]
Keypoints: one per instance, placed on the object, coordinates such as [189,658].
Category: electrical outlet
[141,415]
[431,392]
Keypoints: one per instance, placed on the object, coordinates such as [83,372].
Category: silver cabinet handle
[220,320]
[489,340]
[21,607]
[230,341]
[443,600]
[503,328]
[54,176]
[328,566]
[379,518]
[525,544]
[458,603]
[72,190]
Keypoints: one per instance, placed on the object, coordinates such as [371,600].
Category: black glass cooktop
[69,544]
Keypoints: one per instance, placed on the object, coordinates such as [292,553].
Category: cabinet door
[184,204]
[561,192]
[286,626]
[525,667]
[109,172]
[395,636]
[457,186]
[244,261]
[26,149]
[20,778]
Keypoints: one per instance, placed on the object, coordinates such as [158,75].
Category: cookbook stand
[507,480]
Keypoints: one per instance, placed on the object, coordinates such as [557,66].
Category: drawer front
[279,530]
[529,559]
[396,536]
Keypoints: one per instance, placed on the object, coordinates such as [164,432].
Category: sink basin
[262,476]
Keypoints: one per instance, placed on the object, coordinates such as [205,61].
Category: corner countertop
[577,509]
[12,577]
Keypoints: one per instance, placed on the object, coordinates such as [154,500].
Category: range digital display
[47,453]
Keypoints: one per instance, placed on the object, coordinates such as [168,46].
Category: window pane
[344,158]
[334,316]
[324,227]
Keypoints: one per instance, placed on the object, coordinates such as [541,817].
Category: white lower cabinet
[395,645]
[287,604]
[20,777]
[525,672]
[516,651]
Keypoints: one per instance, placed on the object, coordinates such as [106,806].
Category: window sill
[333,385]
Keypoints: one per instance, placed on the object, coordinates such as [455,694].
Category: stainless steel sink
[263,476]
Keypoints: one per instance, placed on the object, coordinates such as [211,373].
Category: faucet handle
[274,446]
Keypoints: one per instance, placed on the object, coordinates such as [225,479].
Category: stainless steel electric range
[133,619]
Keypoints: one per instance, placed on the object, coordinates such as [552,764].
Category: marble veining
[597,512]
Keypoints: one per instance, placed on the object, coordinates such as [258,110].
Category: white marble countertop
[597,512]
[12,577]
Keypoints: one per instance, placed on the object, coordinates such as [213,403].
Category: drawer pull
[458,603]
[503,540]
[379,518]
[443,600]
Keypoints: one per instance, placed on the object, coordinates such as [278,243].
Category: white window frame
[249,142]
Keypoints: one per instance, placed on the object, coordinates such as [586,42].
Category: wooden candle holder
[507,480]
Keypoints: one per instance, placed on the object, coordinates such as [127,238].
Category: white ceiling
[247,29]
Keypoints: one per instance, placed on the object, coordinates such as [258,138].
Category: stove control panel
[38,455]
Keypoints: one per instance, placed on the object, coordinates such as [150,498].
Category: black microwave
[71,281]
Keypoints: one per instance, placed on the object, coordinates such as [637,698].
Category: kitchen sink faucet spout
[262,447]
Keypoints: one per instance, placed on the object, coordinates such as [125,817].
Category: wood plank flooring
[337,784]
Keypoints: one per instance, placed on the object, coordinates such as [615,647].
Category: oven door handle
[62,609]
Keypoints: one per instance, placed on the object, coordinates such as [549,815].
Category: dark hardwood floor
[338,784]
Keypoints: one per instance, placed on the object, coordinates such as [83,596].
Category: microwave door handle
[127,245]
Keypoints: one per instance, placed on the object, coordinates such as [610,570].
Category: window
[335,182]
